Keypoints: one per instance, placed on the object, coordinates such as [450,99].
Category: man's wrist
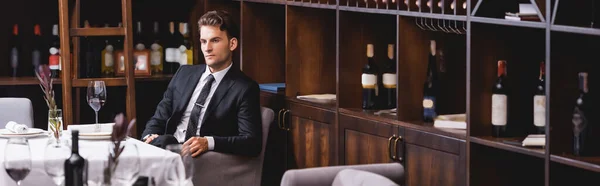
[146,137]
[211,142]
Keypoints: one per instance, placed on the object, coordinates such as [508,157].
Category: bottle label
[53,62]
[369,81]
[190,57]
[36,58]
[429,106]
[389,80]
[172,55]
[155,55]
[109,60]
[14,58]
[141,62]
[539,110]
[499,109]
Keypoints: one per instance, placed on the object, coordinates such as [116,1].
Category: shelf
[24,81]
[279,2]
[499,143]
[496,21]
[392,119]
[588,163]
[575,29]
[433,15]
[368,10]
[97,31]
[158,77]
[327,106]
[312,5]
[109,82]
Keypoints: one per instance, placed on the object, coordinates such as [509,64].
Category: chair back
[19,110]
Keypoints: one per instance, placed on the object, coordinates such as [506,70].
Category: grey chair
[19,110]
[325,176]
[213,168]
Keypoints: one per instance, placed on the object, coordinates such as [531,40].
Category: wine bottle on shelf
[36,50]
[172,53]
[581,127]
[15,52]
[108,57]
[138,40]
[91,61]
[156,53]
[54,59]
[187,56]
[75,166]
[389,80]
[431,86]
[369,81]
[539,102]
[500,102]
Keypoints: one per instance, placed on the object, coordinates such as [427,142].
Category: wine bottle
[54,59]
[500,102]
[172,53]
[539,102]
[108,58]
[389,80]
[36,51]
[15,52]
[75,166]
[369,81]
[90,55]
[430,87]
[138,40]
[580,120]
[156,53]
[187,56]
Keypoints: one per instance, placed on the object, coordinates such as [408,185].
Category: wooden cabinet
[429,159]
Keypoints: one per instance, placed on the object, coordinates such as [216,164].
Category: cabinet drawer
[311,113]
[433,141]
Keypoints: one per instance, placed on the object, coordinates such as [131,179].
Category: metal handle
[392,155]
[284,116]
[396,148]
[279,119]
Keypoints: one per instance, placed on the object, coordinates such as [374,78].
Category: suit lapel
[226,83]
[189,86]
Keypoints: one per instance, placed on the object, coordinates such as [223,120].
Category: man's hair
[221,19]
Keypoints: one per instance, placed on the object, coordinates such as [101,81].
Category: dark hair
[219,18]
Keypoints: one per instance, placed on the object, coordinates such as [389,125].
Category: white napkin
[16,128]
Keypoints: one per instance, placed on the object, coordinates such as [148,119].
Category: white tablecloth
[96,152]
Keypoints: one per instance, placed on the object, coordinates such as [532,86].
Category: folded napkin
[16,128]
[92,128]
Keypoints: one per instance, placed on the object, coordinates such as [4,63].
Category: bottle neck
[75,144]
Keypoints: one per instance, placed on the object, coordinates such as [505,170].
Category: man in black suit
[213,106]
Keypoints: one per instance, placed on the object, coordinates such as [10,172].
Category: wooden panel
[523,49]
[427,167]
[263,42]
[413,52]
[356,31]
[361,148]
[310,49]
[495,167]
[312,142]
[312,113]
[97,32]
[25,81]
[433,141]
[120,81]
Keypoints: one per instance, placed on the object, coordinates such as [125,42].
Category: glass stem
[96,117]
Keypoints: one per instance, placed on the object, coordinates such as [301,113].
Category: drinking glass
[54,160]
[96,97]
[174,175]
[17,159]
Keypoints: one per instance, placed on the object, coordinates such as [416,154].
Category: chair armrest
[325,175]
[214,168]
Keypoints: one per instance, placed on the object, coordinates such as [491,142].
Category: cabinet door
[312,143]
[432,160]
[364,141]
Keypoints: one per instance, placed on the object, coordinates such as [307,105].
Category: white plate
[94,137]
[32,132]
[95,134]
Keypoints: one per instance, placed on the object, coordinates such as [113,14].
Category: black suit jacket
[233,115]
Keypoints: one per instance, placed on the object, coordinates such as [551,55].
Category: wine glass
[96,97]
[174,175]
[17,159]
[128,167]
[54,159]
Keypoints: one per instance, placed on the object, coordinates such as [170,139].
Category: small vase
[55,124]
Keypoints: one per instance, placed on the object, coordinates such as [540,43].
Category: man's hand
[150,138]
[195,146]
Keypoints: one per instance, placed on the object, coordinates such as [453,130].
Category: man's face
[217,49]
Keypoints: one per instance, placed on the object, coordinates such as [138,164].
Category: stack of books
[527,12]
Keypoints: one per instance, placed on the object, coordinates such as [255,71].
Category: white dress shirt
[182,126]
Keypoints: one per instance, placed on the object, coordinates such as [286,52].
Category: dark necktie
[195,115]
